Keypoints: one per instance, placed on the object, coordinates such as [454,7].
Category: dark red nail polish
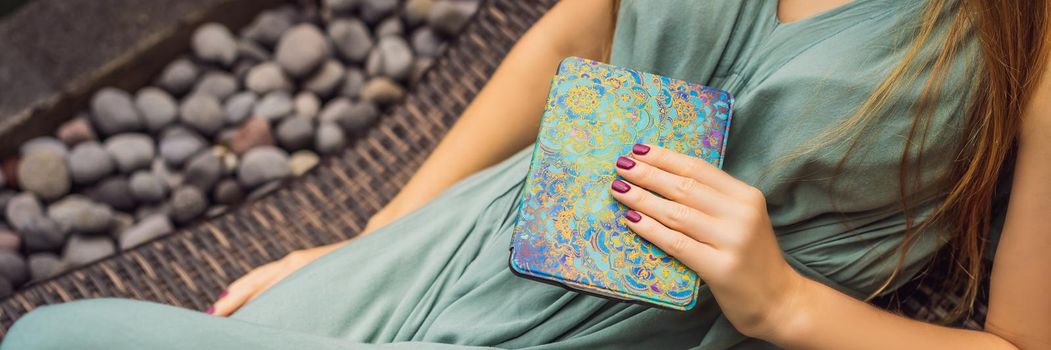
[633,216]
[640,149]
[211,310]
[223,294]
[620,186]
[625,163]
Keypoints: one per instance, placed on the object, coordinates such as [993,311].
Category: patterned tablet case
[569,230]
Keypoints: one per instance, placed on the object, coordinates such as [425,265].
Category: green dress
[438,277]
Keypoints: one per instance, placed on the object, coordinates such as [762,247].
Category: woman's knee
[80,324]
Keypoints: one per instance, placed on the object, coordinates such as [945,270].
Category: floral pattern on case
[569,230]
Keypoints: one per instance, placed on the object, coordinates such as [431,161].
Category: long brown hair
[1011,53]
[1011,43]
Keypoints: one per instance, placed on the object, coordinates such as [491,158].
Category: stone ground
[235,113]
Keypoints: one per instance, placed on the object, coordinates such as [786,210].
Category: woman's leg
[116,324]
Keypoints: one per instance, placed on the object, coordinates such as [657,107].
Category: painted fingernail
[633,216]
[620,186]
[625,163]
[223,294]
[211,310]
[640,149]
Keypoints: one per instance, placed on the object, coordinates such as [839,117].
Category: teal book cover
[569,230]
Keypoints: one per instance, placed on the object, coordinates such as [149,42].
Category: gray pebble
[114,112]
[416,11]
[114,191]
[213,42]
[147,187]
[39,233]
[239,107]
[13,268]
[352,83]
[449,17]
[131,151]
[361,115]
[301,50]
[178,144]
[374,10]
[228,192]
[330,139]
[203,171]
[392,57]
[426,43]
[44,235]
[273,106]
[203,112]
[263,164]
[340,5]
[45,174]
[44,143]
[150,227]
[351,116]
[89,162]
[178,77]
[351,38]
[22,209]
[217,84]
[44,265]
[326,79]
[335,110]
[306,105]
[268,26]
[382,91]
[390,26]
[79,214]
[158,108]
[295,133]
[144,211]
[267,77]
[81,250]
[187,204]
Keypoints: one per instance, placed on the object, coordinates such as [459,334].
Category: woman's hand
[716,225]
[260,279]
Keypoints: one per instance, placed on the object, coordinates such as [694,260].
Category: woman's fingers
[694,254]
[674,215]
[677,188]
[241,291]
[687,166]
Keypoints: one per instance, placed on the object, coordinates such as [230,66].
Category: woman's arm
[732,247]
[1020,297]
[502,119]
[505,115]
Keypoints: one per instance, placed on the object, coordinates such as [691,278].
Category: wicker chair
[332,203]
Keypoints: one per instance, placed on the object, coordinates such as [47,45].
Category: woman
[868,134]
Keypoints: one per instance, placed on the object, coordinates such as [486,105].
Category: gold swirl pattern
[569,229]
